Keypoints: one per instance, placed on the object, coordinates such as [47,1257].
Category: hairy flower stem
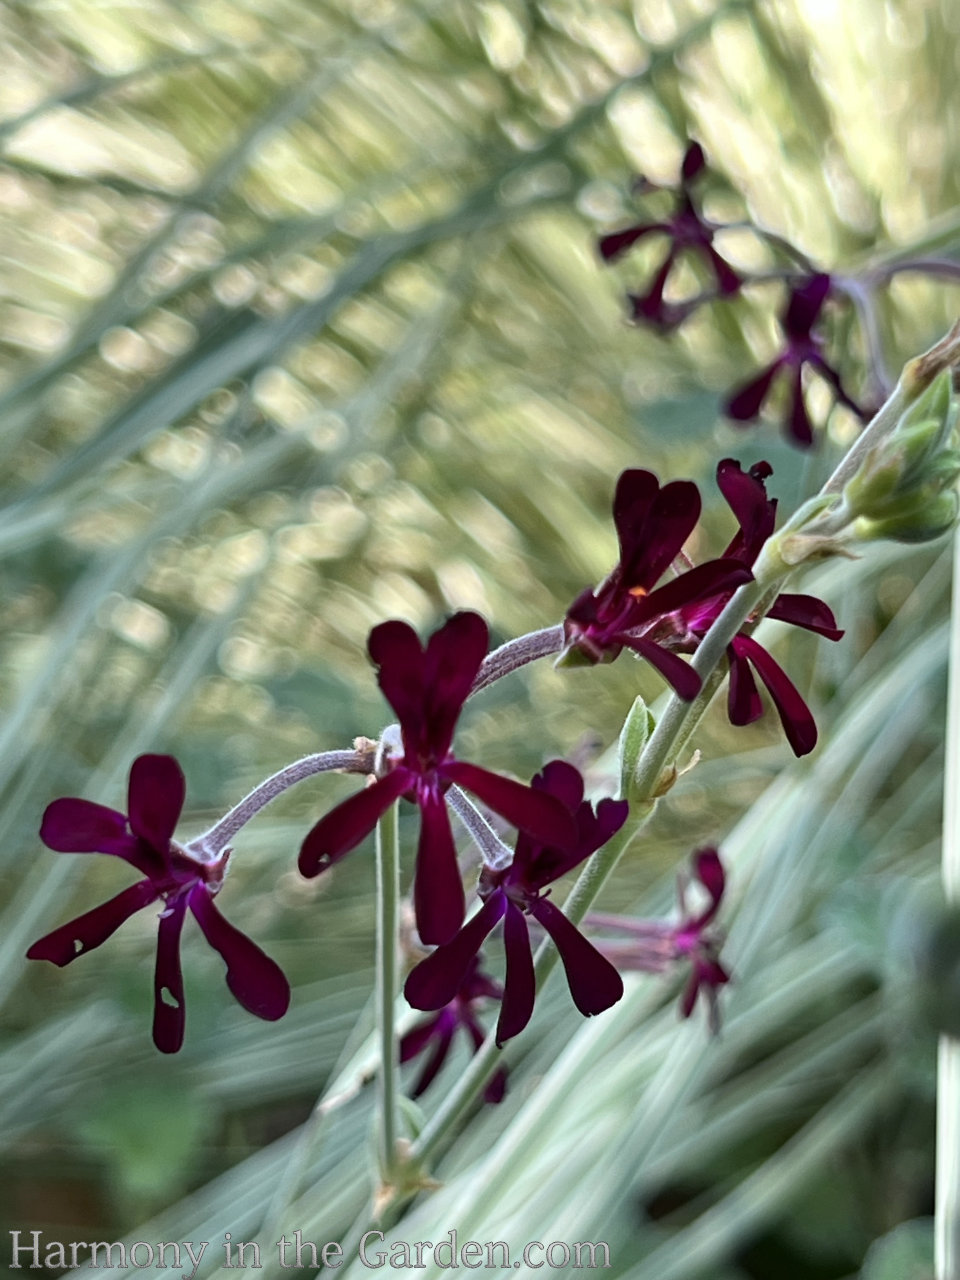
[496,854]
[518,653]
[219,836]
[947,1210]
[388,904]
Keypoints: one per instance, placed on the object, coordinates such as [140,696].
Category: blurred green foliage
[301,328]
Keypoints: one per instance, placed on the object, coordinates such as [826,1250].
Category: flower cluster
[692,235]
[652,525]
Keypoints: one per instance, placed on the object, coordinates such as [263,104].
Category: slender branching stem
[212,842]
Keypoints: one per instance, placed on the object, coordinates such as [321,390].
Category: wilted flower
[802,347]
[437,1033]
[652,525]
[688,233]
[515,892]
[427,687]
[655,946]
[173,875]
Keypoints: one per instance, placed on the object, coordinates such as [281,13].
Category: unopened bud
[905,487]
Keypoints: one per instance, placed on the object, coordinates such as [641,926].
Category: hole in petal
[168,998]
[78,946]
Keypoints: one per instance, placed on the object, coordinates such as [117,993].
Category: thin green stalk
[388,901]
[947,1212]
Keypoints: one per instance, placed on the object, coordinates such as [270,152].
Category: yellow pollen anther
[638,592]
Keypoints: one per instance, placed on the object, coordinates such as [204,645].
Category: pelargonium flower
[746,495]
[688,233]
[514,893]
[427,687]
[657,947]
[440,1030]
[174,876]
[802,347]
[652,525]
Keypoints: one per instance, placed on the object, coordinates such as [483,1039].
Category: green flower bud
[904,488]
[921,517]
[634,735]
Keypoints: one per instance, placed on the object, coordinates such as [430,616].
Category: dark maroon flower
[688,232]
[440,1030]
[802,347]
[652,525]
[658,947]
[515,892]
[175,876]
[745,492]
[426,687]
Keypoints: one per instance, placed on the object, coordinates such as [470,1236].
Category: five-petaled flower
[627,609]
[427,687]
[515,892]
[174,876]
[802,347]
[656,946]
[746,496]
[688,232]
[437,1032]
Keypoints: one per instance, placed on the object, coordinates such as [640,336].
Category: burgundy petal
[618,242]
[169,1013]
[255,980]
[435,1061]
[652,525]
[807,612]
[805,305]
[520,986]
[702,582]
[438,890]
[345,826]
[679,674]
[561,780]
[709,871]
[418,1037]
[534,811]
[747,498]
[80,826]
[93,927]
[156,793]
[594,983]
[435,981]
[396,650]
[798,723]
[801,432]
[694,162]
[744,704]
[453,658]
[746,402]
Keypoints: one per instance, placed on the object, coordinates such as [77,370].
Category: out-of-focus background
[302,327]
